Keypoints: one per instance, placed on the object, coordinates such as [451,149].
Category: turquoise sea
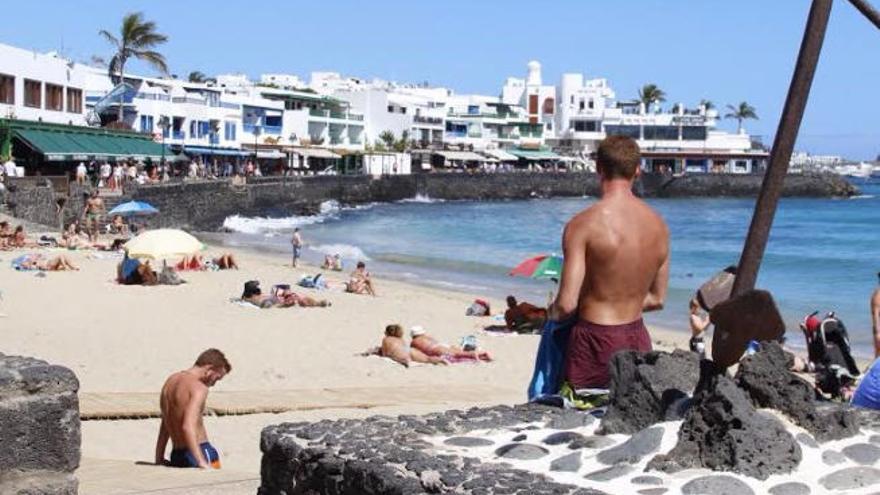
[823,253]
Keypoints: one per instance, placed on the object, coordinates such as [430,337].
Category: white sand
[129,339]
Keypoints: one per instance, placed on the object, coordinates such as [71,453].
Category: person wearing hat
[431,347]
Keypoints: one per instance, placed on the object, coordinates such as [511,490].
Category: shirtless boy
[183,402]
[616,266]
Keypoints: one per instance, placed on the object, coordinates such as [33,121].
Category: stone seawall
[39,427]
[203,205]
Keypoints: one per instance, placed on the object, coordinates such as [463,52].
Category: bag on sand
[169,277]
[550,360]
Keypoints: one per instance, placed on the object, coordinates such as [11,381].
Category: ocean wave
[328,210]
[862,196]
[455,265]
[421,198]
[346,251]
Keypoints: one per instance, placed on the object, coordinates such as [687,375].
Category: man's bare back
[182,401]
[618,249]
[182,392]
[616,266]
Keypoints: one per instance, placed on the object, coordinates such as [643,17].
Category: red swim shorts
[591,346]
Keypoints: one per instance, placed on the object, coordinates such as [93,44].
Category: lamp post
[164,124]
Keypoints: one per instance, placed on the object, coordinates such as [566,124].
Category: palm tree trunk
[121,111]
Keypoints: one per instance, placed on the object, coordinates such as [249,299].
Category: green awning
[534,154]
[59,144]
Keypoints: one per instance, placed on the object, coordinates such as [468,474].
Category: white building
[580,112]
[41,87]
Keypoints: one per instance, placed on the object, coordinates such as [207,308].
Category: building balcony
[272,129]
[187,99]
[421,119]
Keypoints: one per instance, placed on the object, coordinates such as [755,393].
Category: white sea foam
[421,198]
[346,251]
[862,196]
[328,210]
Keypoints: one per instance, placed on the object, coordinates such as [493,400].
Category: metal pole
[867,10]
[783,144]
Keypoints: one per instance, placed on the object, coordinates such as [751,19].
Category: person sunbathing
[225,261]
[5,234]
[395,348]
[19,238]
[333,262]
[190,263]
[360,282]
[281,297]
[59,263]
[422,341]
[74,240]
[523,316]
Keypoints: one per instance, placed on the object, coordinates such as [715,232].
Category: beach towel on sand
[550,359]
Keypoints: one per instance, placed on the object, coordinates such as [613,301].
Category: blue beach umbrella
[133,208]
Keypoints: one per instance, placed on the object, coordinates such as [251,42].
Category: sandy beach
[128,339]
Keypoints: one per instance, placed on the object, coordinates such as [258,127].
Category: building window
[533,104]
[572,99]
[54,97]
[7,89]
[591,104]
[74,100]
[584,125]
[390,108]
[473,110]
[661,132]
[581,104]
[229,131]
[693,133]
[548,106]
[741,165]
[33,93]
[623,130]
[146,123]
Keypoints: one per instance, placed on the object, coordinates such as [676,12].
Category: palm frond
[153,58]
[113,40]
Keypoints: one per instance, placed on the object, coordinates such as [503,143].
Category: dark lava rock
[647,480]
[724,432]
[807,440]
[562,437]
[468,442]
[791,488]
[765,377]
[591,442]
[849,478]
[653,491]
[862,453]
[570,419]
[716,485]
[833,457]
[521,451]
[569,462]
[634,449]
[520,437]
[648,388]
[610,473]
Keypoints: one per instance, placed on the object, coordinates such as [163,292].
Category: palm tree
[402,144]
[387,138]
[650,94]
[197,77]
[707,104]
[137,38]
[741,112]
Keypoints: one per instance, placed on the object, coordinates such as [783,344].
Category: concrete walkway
[106,477]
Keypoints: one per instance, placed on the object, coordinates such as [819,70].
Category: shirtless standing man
[183,402]
[93,211]
[875,319]
[616,266]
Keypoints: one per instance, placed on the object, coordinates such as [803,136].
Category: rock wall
[203,205]
[39,427]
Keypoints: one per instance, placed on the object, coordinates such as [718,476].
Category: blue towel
[867,394]
[550,360]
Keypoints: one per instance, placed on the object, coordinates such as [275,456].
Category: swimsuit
[184,459]
[591,347]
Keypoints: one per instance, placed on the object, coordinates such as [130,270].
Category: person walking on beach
[875,318]
[296,244]
[616,266]
[182,402]
[93,211]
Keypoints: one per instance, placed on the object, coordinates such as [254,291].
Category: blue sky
[726,51]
